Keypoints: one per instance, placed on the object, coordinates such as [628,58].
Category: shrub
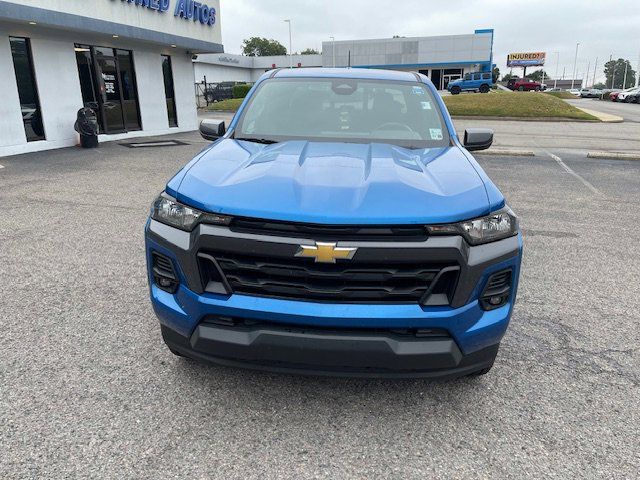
[240,91]
[605,96]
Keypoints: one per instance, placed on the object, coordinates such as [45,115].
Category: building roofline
[13,12]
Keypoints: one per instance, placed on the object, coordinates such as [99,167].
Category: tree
[495,74]
[599,86]
[537,76]
[310,51]
[262,47]
[614,70]
[508,77]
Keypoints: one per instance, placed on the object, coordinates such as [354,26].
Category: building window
[108,85]
[169,92]
[27,89]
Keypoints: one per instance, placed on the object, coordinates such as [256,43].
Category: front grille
[395,233]
[343,282]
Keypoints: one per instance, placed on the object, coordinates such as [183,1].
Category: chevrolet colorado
[338,226]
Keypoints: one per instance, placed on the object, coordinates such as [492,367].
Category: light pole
[595,69]
[555,82]
[290,47]
[624,79]
[333,50]
[575,64]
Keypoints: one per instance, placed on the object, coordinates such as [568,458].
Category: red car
[524,84]
[613,96]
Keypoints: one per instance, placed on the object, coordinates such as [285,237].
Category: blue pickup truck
[338,226]
[472,82]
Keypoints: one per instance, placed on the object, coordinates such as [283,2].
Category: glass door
[109,98]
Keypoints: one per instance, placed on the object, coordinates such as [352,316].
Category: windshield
[344,110]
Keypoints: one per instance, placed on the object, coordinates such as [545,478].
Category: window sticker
[418,90]
[426,105]
[436,133]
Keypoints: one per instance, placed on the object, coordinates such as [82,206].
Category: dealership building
[441,58]
[128,60]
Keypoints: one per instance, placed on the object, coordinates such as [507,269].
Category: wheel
[455,90]
[521,88]
[537,89]
[484,88]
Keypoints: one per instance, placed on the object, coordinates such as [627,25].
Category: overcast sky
[602,28]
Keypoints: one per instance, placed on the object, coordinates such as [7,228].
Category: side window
[467,76]
[486,76]
[476,76]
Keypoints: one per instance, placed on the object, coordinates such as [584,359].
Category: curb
[509,153]
[523,119]
[614,155]
[603,117]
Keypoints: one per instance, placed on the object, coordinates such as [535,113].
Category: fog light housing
[164,274]
[497,291]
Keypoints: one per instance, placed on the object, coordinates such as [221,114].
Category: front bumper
[344,338]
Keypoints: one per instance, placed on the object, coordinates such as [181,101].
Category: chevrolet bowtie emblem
[326,252]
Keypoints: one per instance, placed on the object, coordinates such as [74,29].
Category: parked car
[574,91]
[220,91]
[633,97]
[339,226]
[590,93]
[549,90]
[625,94]
[472,82]
[613,95]
[524,84]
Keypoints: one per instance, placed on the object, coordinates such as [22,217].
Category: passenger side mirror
[212,129]
[477,139]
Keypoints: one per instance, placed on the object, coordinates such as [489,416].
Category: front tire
[537,89]
[455,90]
[484,88]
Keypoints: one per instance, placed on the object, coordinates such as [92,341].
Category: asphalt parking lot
[87,388]
[629,111]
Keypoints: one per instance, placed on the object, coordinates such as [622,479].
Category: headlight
[167,210]
[498,225]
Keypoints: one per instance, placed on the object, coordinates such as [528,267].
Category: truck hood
[333,183]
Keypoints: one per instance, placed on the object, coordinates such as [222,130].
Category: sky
[601,28]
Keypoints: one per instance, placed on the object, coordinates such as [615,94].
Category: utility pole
[638,73]
[624,79]
[555,82]
[613,73]
[595,69]
[333,50]
[290,47]
[585,80]
[575,65]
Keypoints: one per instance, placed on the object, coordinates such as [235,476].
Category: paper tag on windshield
[436,133]
[426,105]
[418,90]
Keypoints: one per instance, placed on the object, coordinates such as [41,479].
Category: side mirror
[477,139]
[212,129]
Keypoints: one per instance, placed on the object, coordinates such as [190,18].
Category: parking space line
[568,169]
[1,167]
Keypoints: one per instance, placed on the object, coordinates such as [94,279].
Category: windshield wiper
[264,141]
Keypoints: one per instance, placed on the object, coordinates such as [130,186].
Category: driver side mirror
[477,139]
[212,129]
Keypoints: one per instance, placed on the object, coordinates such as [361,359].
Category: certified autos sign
[187,9]
[531,59]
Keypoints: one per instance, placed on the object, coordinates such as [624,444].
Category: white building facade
[128,60]
[441,58]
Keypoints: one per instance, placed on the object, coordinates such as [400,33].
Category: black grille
[347,282]
[399,233]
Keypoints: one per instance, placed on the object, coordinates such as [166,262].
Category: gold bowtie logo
[326,252]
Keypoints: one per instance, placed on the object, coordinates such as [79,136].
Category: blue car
[338,226]
[471,82]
